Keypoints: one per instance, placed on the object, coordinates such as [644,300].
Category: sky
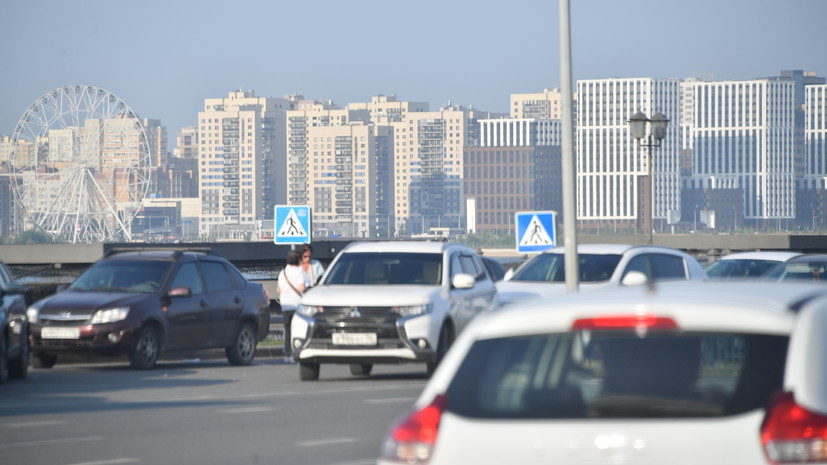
[163,58]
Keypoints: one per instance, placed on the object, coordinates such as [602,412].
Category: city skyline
[164,59]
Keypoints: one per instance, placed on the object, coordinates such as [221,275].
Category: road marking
[397,400]
[52,441]
[32,424]
[108,462]
[245,410]
[326,442]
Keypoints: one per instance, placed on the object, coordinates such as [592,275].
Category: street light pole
[657,132]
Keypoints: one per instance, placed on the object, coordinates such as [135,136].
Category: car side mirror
[463,281]
[634,278]
[508,274]
[61,287]
[180,292]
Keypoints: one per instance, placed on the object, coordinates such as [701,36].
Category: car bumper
[404,341]
[104,339]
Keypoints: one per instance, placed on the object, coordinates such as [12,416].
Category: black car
[14,328]
[148,302]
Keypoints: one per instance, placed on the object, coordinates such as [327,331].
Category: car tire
[147,349]
[443,344]
[4,360]
[19,366]
[308,371]
[243,350]
[44,360]
[361,369]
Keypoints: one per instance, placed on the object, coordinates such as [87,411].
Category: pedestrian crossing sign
[536,231]
[292,224]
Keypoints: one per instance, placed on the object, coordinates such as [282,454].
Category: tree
[33,236]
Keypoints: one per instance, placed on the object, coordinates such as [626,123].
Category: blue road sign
[536,231]
[292,224]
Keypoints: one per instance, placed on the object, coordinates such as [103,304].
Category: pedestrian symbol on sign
[292,227]
[536,233]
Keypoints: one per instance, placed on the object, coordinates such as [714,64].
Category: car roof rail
[177,252]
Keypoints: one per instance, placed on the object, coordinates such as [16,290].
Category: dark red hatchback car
[144,303]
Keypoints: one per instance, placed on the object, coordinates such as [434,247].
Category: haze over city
[165,58]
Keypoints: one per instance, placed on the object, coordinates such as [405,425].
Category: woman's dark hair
[307,248]
[293,257]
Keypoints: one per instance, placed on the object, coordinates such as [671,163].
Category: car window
[360,268]
[618,374]
[5,277]
[551,267]
[734,269]
[238,278]
[462,263]
[187,276]
[123,275]
[216,276]
[799,271]
[657,266]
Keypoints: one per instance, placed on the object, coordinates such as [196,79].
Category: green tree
[33,236]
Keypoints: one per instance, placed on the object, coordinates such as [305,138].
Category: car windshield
[359,268]
[550,267]
[618,374]
[123,276]
[739,269]
[814,272]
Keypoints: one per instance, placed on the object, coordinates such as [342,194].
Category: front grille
[378,320]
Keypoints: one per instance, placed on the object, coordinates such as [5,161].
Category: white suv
[390,302]
[685,373]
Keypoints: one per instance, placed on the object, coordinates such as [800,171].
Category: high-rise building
[515,167]
[428,167]
[742,137]
[546,104]
[241,144]
[815,134]
[612,169]
[186,143]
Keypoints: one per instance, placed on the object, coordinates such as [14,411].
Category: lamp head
[659,123]
[637,125]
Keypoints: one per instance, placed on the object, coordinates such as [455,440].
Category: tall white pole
[569,176]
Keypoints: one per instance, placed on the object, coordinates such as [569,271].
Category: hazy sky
[164,57]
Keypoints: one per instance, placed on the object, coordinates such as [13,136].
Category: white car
[601,266]
[683,374]
[390,302]
[747,265]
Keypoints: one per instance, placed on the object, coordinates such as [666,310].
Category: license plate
[60,333]
[354,339]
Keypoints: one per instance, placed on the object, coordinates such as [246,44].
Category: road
[201,412]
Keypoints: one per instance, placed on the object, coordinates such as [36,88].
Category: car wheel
[4,361]
[360,369]
[444,343]
[147,348]
[44,360]
[19,367]
[308,371]
[243,350]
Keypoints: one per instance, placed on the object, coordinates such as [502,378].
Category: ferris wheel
[81,165]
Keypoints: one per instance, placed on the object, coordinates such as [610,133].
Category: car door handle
[237,299]
[203,303]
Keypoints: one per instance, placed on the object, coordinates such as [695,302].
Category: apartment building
[516,167]
[428,167]
[186,143]
[546,104]
[350,179]
[742,138]
[613,185]
[383,109]
[241,144]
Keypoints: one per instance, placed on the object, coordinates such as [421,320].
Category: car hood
[514,291]
[372,295]
[76,300]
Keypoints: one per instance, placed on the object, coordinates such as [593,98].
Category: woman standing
[291,288]
[313,269]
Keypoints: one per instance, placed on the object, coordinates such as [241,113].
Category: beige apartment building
[241,144]
[542,105]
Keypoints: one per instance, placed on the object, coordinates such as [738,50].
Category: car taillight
[412,440]
[637,321]
[792,434]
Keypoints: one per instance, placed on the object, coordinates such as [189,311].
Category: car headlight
[413,310]
[110,315]
[32,313]
[309,310]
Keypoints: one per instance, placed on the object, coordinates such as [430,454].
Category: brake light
[412,440]
[792,434]
[641,321]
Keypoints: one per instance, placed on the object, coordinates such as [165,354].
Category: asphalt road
[201,412]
